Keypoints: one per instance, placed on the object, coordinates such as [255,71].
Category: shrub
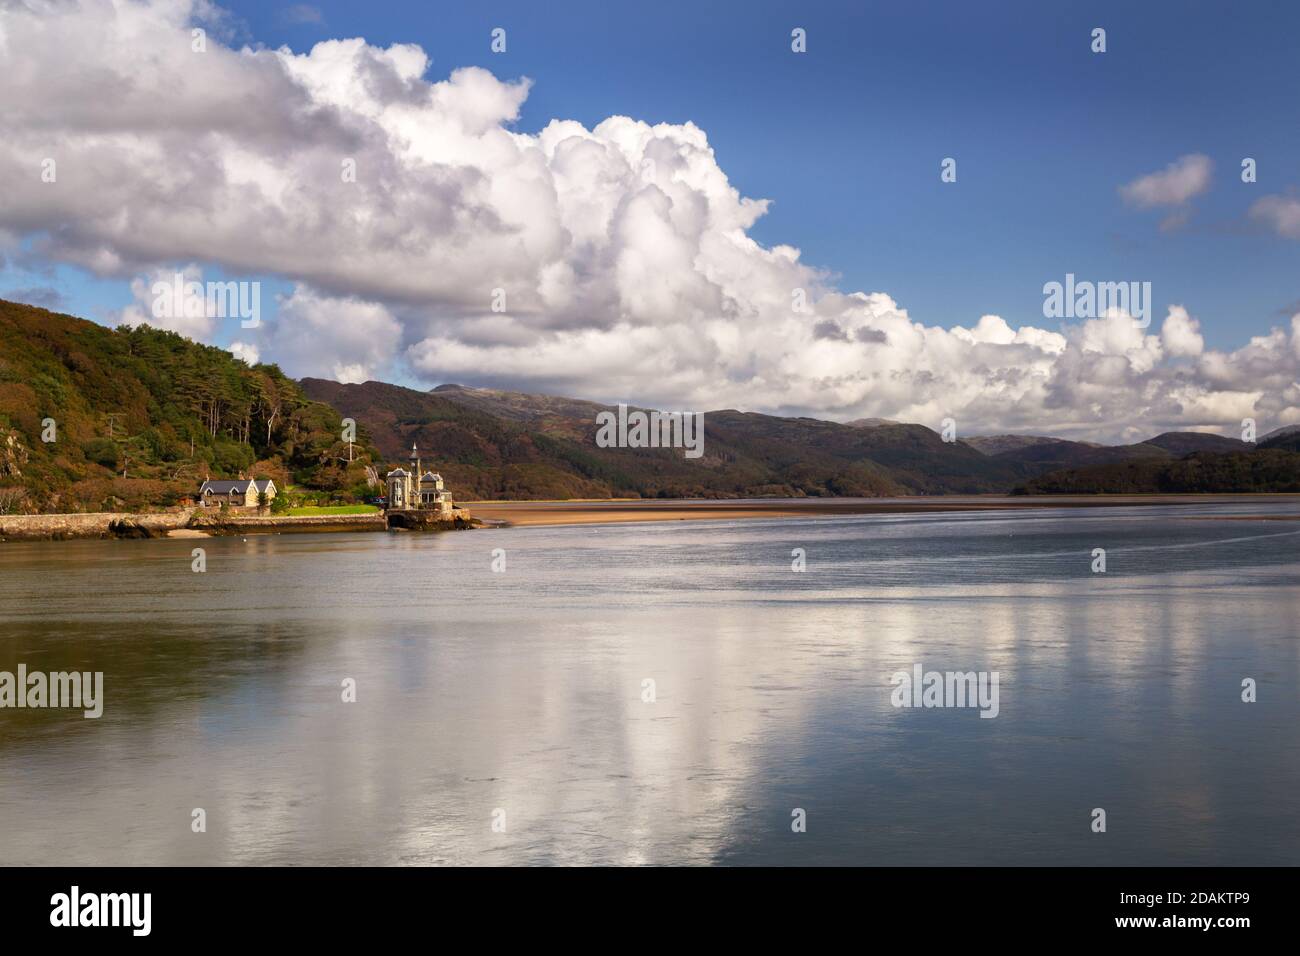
[102,451]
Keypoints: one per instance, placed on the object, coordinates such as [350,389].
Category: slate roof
[239,487]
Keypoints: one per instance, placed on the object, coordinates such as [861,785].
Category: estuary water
[670,693]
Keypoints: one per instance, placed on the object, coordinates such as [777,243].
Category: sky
[624,203]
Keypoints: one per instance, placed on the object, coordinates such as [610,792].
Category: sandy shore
[523,513]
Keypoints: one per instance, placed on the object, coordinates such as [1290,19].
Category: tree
[149,405]
[11,499]
[102,451]
[273,402]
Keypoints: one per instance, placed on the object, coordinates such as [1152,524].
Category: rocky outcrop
[13,454]
[430,521]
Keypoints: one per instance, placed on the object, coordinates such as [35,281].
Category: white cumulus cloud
[1183,179]
[1181,334]
[1280,213]
[250,354]
[167,298]
[425,235]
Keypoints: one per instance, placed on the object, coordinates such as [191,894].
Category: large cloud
[613,262]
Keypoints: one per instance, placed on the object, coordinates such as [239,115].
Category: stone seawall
[100,524]
[157,525]
[109,524]
[263,524]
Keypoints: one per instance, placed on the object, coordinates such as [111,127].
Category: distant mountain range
[93,418]
[490,443]
[1270,465]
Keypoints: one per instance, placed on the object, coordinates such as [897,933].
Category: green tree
[102,451]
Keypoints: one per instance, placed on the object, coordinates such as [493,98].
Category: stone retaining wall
[109,524]
[262,524]
[100,524]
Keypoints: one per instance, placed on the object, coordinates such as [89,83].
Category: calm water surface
[521,692]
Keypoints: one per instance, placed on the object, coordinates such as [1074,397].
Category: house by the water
[241,493]
[417,490]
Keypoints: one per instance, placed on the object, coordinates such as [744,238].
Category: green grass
[333,510]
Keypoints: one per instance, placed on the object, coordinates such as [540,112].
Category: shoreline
[622,510]
[508,514]
[184,523]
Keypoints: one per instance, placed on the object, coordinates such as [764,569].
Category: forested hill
[136,417]
[140,416]
[499,444]
[489,444]
[1270,468]
[496,444]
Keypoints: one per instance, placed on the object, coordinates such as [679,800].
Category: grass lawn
[334,510]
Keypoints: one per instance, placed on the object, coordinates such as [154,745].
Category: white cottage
[243,493]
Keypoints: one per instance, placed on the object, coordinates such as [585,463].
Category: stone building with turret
[418,490]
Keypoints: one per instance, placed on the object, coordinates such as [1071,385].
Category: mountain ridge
[747,454]
[142,415]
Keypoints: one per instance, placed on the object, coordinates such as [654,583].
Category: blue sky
[646,289]
[847,139]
